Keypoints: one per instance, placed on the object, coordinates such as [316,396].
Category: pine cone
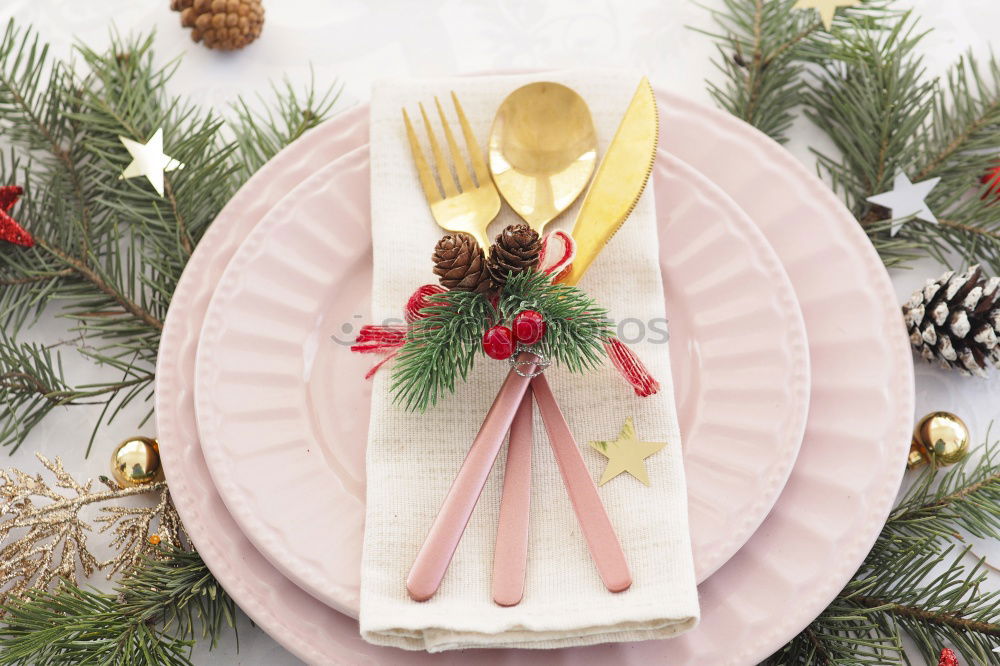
[516,249]
[221,24]
[955,320]
[460,264]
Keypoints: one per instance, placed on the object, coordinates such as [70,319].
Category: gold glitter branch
[45,535]
[140,531]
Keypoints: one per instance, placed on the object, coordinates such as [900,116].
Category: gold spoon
[542,150]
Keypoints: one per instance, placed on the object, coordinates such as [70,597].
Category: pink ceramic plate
[835,501]
[283,409]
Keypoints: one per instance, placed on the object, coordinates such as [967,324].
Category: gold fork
[456,206]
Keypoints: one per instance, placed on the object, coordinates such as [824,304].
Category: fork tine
[464,179]
[444,172]
[475,155]
[431,190]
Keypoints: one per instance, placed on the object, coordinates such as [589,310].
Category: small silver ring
[540,362]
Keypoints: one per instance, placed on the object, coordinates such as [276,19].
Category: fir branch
[111,251]
[763,47]
[152,619]
[870,98]
[441,348]
[915,581]
[31,386]
[762,81]
[185,596]
[260,135]
[937,506]
[923,127]
[965,122]
[78,626]
[575,326]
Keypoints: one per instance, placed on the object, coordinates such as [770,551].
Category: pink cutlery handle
[510,558]
[449,525]
[605,549]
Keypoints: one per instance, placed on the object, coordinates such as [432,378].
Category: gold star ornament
[627,454]
[149,160]
[826,8]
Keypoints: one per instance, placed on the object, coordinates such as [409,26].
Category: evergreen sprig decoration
[864,85]
[919,580]
[109,251]
[442,347]
[764,46]
[923,127]
[575,325]
[153,618]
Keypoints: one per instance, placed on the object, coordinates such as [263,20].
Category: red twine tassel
[421,299]
[389,340]
[379,339]
[631,368]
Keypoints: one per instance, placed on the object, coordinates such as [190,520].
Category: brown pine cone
[460,264]
[955,321]
[515,249]
[221,24]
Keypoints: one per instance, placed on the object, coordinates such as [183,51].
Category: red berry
[498,342]
[529,327]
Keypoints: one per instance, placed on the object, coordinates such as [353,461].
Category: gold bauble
[136,462]
[941,436]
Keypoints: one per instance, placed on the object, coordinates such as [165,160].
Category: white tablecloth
[358,41]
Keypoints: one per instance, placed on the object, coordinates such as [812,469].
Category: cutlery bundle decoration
[516,300]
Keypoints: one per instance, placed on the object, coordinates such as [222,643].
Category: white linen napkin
[412,457]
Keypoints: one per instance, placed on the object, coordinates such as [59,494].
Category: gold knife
[619,181]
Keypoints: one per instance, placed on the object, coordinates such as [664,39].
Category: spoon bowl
[542,150]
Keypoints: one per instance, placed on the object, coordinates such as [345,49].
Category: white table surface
[358,41]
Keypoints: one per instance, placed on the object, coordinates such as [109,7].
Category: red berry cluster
[499,342]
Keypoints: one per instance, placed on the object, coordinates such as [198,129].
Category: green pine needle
[440,349]
[154,617]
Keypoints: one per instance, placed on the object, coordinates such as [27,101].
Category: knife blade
[619,181]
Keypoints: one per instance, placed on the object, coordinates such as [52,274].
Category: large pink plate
[283,411]
[821,527]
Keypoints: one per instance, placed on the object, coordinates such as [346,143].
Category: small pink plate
[836,500]
[283,407]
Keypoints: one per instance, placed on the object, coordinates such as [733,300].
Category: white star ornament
[907,200]
[149,160]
